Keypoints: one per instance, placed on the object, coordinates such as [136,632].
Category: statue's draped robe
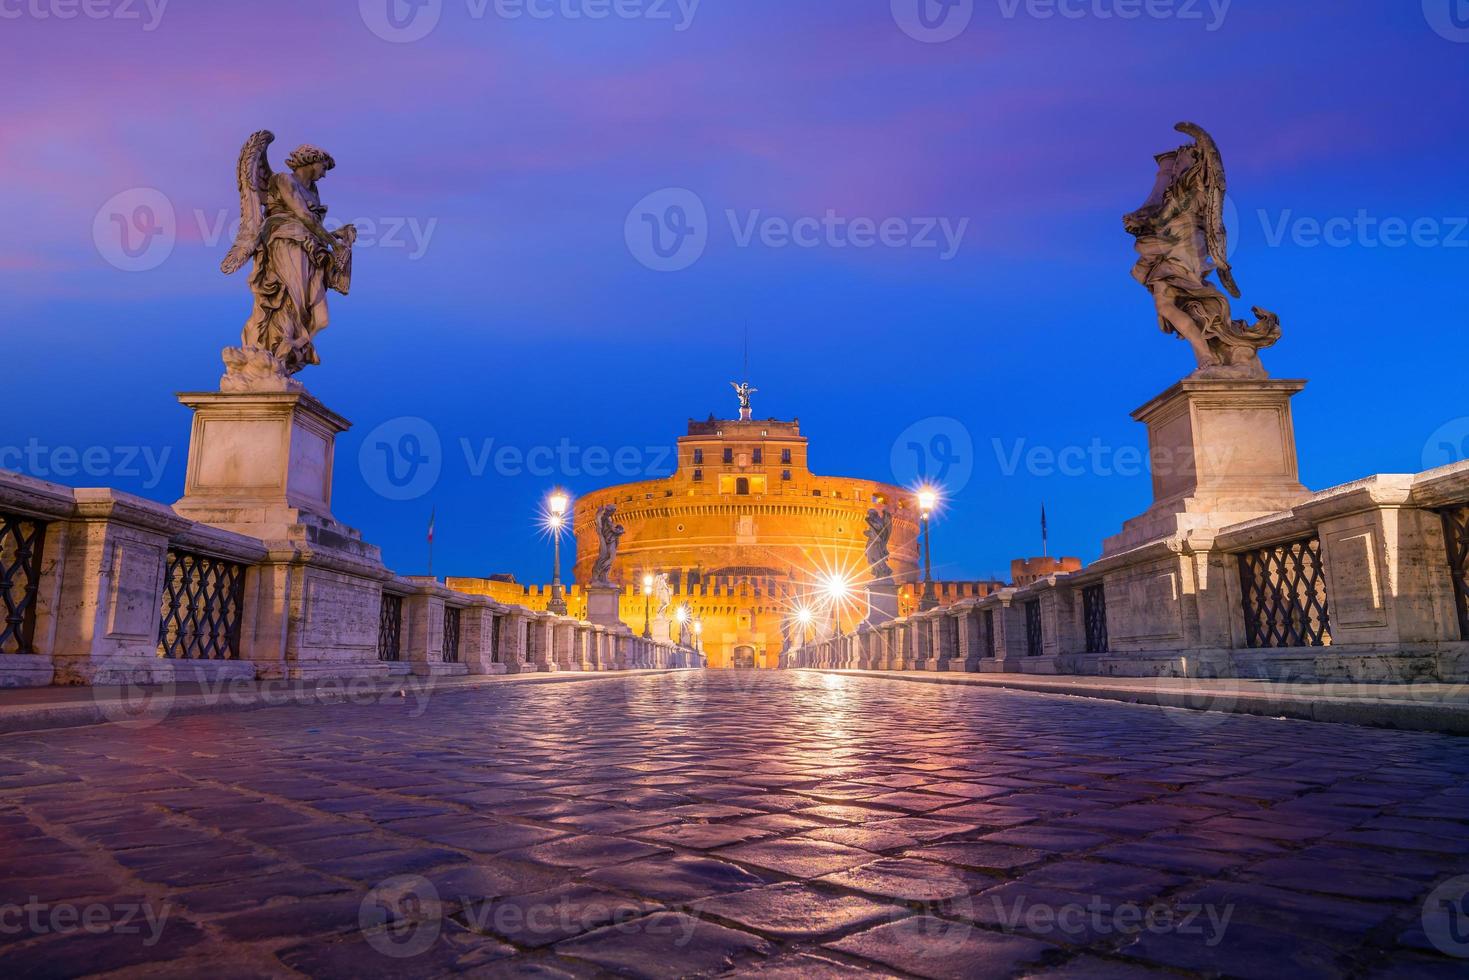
[290,276]
[1173,258]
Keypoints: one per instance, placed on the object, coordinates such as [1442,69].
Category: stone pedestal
[604,605]
[1221,452]
[260,464]
[259,459]
[882,602]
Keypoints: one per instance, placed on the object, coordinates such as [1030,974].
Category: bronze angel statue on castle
[297,259]
[1181,241]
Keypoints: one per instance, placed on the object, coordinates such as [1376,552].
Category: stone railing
[1363,582]
[102,587]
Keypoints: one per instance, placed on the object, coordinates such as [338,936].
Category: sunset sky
[501,294]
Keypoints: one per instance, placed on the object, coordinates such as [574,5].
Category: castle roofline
[744,427]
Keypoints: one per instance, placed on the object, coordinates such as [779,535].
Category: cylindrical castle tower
[745,533]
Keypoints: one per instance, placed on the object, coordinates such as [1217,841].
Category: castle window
[698,476]
[759,457]
[815,493]
[742,487]
[785,456]
[698,457]
[728,455]
[785,475]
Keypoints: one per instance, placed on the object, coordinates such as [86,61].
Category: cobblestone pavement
[789,824]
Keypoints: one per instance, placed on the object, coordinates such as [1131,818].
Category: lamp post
[557,503]
[647,607]
[681,619]
[699,635]
[927,500]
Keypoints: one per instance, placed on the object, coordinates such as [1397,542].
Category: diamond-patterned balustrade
[451,635]
[1456,542]
[1284,596]
[21,540]
[202,600]
[390,629]
[1094,614]
[1034,636]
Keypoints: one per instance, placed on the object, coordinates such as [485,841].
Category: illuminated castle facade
[746,534]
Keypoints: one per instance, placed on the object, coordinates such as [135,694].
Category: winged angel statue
[297,259]
[1181,241]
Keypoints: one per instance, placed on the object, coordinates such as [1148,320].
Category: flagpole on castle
[1045,535]
[432,511]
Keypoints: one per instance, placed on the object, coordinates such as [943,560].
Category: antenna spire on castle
[743,388]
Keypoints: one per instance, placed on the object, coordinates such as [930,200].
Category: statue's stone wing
[254,176]
[1216,238]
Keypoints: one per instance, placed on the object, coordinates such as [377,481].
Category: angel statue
[879,532]
[296,261]
[744,391]
[663,596]
[1181,241]
[609,532]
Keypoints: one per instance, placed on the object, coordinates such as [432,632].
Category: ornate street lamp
[557,505]
[647,606]
[699,635]
[928,499]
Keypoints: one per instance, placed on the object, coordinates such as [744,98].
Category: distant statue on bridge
[1181,241]
[296,261]
[879,534]
[609,534]
[663,596]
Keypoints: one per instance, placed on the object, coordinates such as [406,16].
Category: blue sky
[501,300]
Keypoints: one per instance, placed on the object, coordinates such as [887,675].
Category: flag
[431,512]
[1045,534]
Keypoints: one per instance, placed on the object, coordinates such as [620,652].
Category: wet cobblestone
[786,824]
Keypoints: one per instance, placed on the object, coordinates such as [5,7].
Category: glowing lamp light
[698,627]
[647,583]
[681,614]
[928,499]
[558,503]
[836,588]
[804,616]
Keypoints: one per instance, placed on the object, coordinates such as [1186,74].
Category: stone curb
[81,712]
[1405,715]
